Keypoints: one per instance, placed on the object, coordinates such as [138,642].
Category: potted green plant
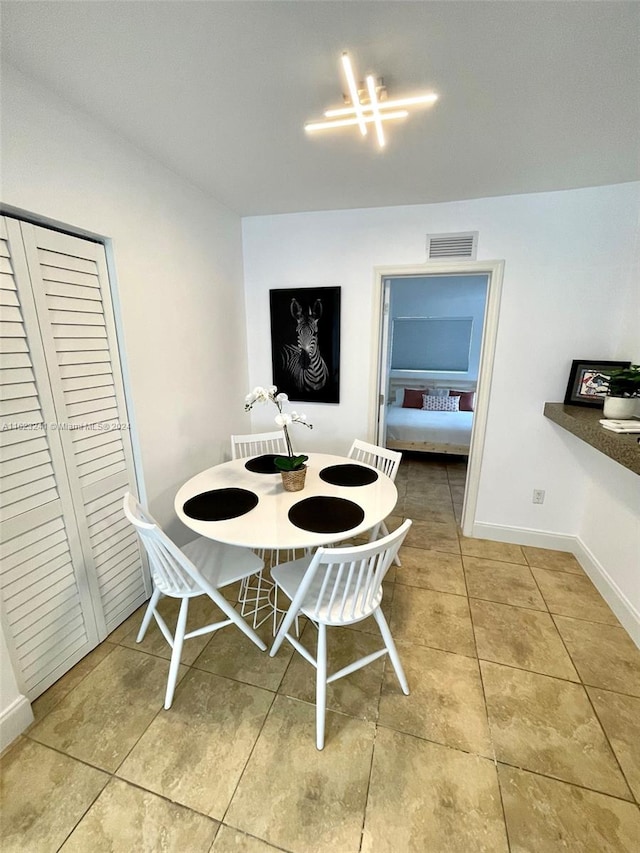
[292,466]
[622,392]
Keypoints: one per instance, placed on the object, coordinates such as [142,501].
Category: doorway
[481,352]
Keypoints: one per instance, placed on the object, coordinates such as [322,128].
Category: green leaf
[290,463]
[624,382]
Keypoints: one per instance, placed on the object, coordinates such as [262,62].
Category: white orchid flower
[283,419]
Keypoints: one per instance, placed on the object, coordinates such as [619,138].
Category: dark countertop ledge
[584,423]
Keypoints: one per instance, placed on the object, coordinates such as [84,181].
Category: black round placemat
[220,504]
[348,475]
[262,464]
[326,515]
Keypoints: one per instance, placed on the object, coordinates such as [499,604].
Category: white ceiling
[534,96]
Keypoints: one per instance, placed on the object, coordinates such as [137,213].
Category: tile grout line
[486,711]
[584,687]
[84,813]
[366,799]
[607,739]
[57,702]
[591,705]
[532,671]
[537,610]
[373,746]
[251,751]
[113,775]
[615,624]
[582,787]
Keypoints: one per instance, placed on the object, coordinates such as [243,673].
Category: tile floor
[521,733]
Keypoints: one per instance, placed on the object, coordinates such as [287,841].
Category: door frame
[494,269]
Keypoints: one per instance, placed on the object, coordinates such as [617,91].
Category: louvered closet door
[47,613]
[71,291]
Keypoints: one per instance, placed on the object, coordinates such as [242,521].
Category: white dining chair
[256,593]
[385,460]
[258,444]
[202,567]
[334,587]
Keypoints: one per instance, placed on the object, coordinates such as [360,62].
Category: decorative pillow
[440,404]
[412,398]
[467,400]
[438,392]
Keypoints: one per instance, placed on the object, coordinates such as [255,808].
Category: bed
[430,432]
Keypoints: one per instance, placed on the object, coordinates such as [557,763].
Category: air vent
[441,246]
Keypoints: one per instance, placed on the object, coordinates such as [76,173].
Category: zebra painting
[305,342]
[303,360]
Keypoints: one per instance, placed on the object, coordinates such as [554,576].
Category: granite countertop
[584,423]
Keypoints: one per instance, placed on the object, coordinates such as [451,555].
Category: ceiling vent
[441,246]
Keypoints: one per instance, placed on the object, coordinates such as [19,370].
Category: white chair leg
[148,615]
[378,615]
[384,530]
[178,640]
[275,610]
[290,617]
[242,591]
[278,615]
[375,533]
[321,684]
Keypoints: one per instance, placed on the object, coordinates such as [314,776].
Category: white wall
[15,709]
[179,273]
[178,260]
[609,530]
[568,287]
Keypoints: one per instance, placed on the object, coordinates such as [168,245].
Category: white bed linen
[438,427]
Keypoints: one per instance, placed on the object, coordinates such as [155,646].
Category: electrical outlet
[538,496]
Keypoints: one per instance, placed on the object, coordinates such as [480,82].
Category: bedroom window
[431,343]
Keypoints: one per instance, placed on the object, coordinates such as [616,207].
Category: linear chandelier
[367,104]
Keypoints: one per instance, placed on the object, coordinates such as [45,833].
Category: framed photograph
[305,343]
[589,381]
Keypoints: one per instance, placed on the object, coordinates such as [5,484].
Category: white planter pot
[619,408]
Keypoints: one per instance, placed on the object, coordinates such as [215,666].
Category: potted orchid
[622,392]
[291,464]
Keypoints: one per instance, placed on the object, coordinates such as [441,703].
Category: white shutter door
[47,613]
[71,291]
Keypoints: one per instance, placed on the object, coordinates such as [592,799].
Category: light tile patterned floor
[521,733]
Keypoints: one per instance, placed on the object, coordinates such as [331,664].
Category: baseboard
[14,720]
[524,536]
[625,611]
[616,599]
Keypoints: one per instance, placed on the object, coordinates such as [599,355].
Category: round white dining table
[267,525]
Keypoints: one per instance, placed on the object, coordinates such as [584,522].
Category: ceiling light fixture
[366,105]
[397,102]
[373,102]
[353,91]
[348,122]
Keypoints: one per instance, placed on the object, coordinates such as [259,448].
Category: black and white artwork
[305,343]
